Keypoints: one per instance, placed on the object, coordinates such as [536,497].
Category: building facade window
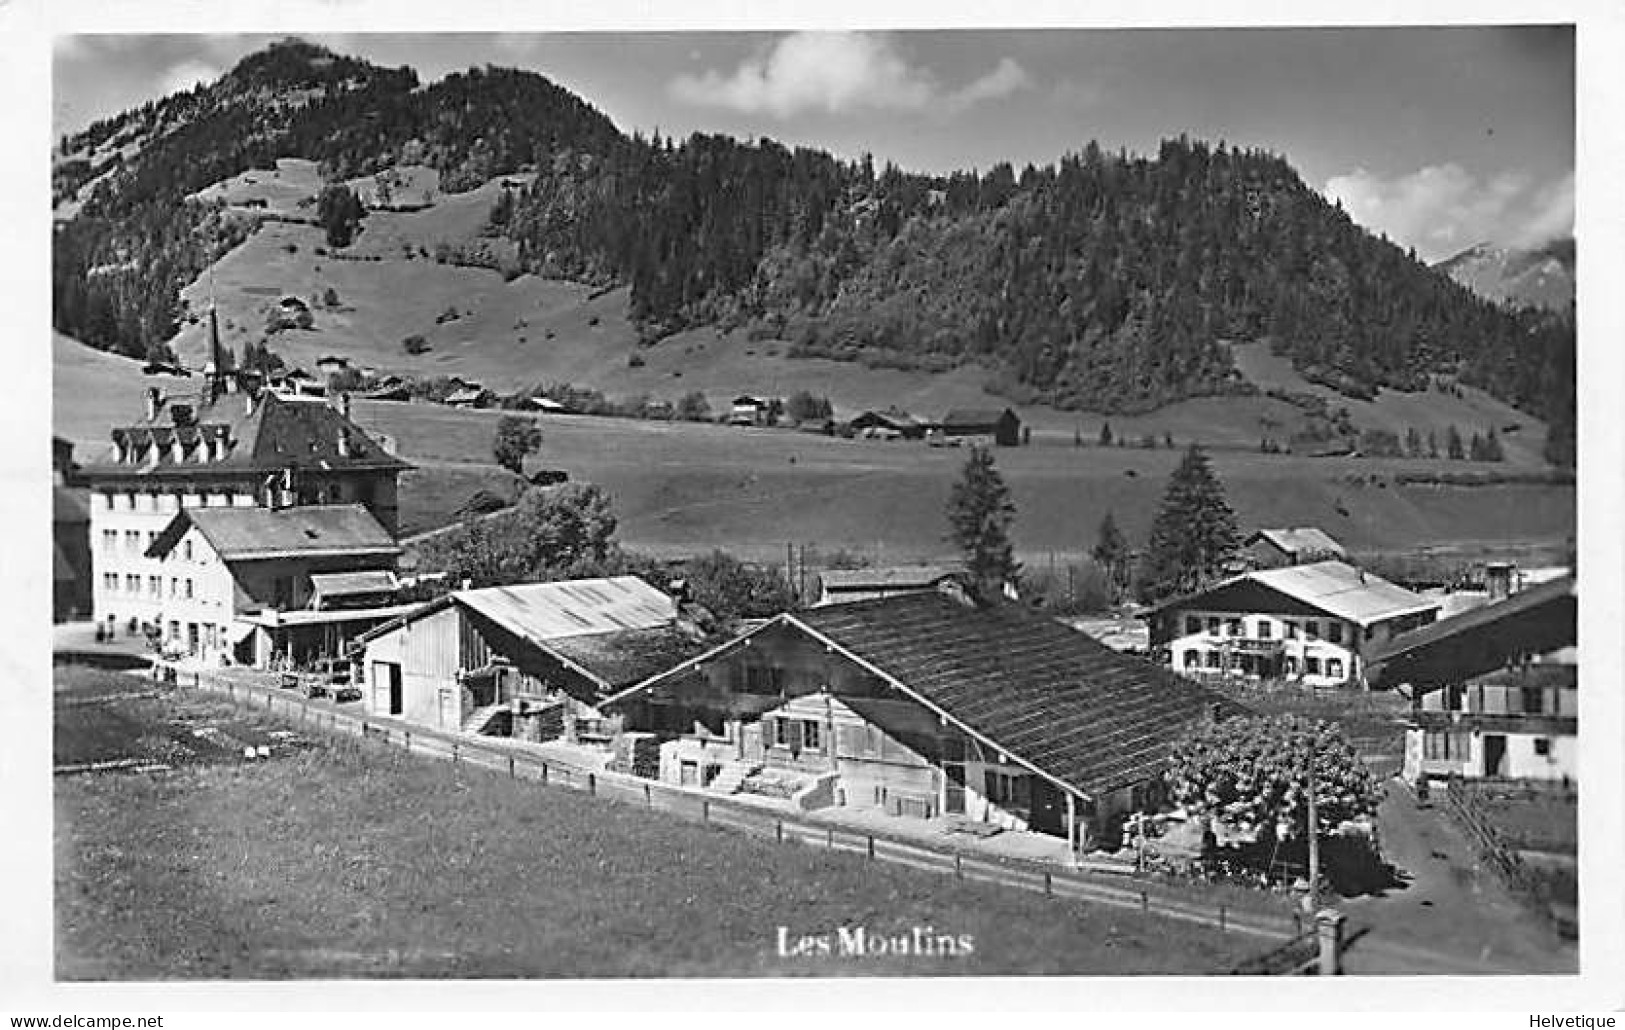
[1311,665]
[781,732]
[1444,745]
[1543,746]
[1311,629]
[1334,632]
[1213,625]
[1233,627]
[186,550]
[811,737]
[1193,624]
[1192,659]
[155,586]
[132,583]
[1265,630]
[109,541]
[188,594]
[1334,668]
[1212,659]
[1005,788]
[1291,630]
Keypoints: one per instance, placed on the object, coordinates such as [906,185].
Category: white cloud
[1443,209]
[1009,77]
[837,72]
[178,78]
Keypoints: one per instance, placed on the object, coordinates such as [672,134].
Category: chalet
[837,586]
[1002,427]
[470,396]
[892,420]
[1494,690]
[748,411]
[1273,548]
[921,705]
[530,660]
[1316,624]
[251,584]
[223,447]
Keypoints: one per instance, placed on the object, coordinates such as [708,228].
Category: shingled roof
[1051,698]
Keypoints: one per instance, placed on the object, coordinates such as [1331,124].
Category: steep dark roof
[1048,695]
[1534,621]
[241,534]
[274,433]
[960,418]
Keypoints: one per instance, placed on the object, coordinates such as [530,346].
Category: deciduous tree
[516,439]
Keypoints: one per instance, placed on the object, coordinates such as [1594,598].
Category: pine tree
[1413,443]
[1193,533]
[979,515]
[1453,443]
[1105,434]
[1111,553]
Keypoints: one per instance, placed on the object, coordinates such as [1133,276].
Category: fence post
[648,801]
[778,830]
[829,837]
[1329,930]
[959,870]
[1145,902]
[1222,919]
[408,740]
[1048,887]
[510,767]
[592,784]
[705,809]
[544,773]
[456,752]
[871,847]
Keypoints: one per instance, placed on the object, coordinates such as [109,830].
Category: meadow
[342,861]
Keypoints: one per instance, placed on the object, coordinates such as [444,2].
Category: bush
[415,344]
[481,502]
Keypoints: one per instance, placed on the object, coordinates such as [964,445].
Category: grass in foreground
[342,862]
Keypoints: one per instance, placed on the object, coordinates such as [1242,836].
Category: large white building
[1315,624]
[228,445]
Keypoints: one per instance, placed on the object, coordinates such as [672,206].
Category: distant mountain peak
[1540,276]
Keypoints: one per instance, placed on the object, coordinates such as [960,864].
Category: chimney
[154,399]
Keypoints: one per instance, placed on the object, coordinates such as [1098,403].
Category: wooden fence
[1121,890]
[1499,855]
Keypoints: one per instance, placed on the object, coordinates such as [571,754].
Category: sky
[1439,137]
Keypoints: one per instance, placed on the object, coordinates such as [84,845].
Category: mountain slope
[1541,277]
[1107,282]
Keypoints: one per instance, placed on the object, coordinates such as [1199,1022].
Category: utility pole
[1314,844]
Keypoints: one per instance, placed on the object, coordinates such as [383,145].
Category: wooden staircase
[479,720]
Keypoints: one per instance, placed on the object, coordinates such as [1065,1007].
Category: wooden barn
[922,705]
[1002,427]
[520,660]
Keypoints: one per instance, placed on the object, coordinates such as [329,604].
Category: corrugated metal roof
[1344,591]
[549,611]
[1302,540]
[1048,695]
[897,577]
[339,584]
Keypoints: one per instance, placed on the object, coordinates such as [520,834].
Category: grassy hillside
[681,486]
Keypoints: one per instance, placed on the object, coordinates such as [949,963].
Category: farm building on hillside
[1273,548]
[837,586]
[1316,624]
[748,411]
[1494,691]
[921,705]
[892,420]
[1003,427]
[253,584]
[471,396]
[529,660]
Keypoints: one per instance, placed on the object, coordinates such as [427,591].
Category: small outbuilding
[1003,427]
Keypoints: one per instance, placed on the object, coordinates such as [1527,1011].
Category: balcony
[1533,723]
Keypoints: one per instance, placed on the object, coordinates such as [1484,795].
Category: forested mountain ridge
[1108,282]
